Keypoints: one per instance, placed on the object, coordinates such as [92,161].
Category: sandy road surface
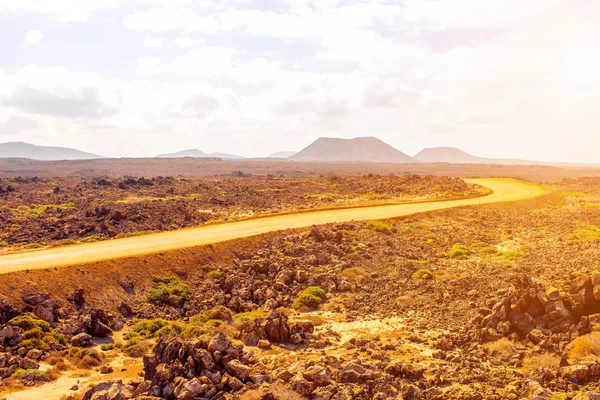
[503,190]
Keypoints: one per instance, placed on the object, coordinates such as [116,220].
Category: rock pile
[201,367]
[539,314]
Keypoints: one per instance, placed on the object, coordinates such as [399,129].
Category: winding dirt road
[503,190]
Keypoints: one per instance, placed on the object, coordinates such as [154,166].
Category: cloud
[416,72]
[200,105]
[164,19]
[32,38]
[15,124]
[84,103]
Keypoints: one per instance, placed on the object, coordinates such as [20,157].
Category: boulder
[81,340]
[238,370]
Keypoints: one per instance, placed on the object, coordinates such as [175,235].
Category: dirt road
[503,190]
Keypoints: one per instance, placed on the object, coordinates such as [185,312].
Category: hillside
[225,156]
[43,153]
[363,149]
[450,155]
[282,154]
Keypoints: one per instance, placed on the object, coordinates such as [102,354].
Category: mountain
[198,154]
[450,155]
[184,153]
[362,149]
[457,156]
[45,153]
[225,156]
[282,154]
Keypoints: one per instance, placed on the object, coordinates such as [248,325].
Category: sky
[510,78]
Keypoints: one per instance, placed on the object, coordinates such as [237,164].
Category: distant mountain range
[362,149]
[199,154]
[44,153]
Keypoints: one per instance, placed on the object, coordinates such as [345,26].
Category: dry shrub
[57,362]
[503,349]
[586,345]
[546,360]
[356,274]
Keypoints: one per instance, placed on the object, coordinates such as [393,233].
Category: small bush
[3,244]
[173,329]
[379,226]
[84,358]
[149,327]
[214,275]
[192,331]
[107,347]
[311,298]
[217,313]
[586,345]
[249,316]
[135,348]
[503,349]
[27,322]
[166,287]
[33,333]
[34,344]
[36,372]
[131,335]
[591,233]
[459,252]
[545,360]
[356,274]
[422,274]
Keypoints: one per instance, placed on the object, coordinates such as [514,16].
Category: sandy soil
[503,190]
[124,368]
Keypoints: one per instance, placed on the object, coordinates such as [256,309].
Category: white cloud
[32,38]
[170,18]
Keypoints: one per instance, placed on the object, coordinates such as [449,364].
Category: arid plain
[457,294]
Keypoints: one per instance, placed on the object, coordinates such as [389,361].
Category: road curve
[504,190]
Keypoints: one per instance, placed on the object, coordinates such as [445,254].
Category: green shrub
[130,335]
[136,348]
[311,297]
[192,331]
[33,333]
[422,274]
[219,313]
[171,330]
[460,252]
[107,347]
[149,327]
[591,233]
[214,275]
[3,244]
[249,316]
[27,322]
[34,344]
[36,372]
[165,287]
[379,226]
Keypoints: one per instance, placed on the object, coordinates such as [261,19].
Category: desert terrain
[498,298]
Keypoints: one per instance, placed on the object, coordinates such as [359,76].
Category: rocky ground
[493,302]
[35,212]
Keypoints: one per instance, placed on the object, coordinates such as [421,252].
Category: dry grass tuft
[546,360]
[586,345]
[503,349]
